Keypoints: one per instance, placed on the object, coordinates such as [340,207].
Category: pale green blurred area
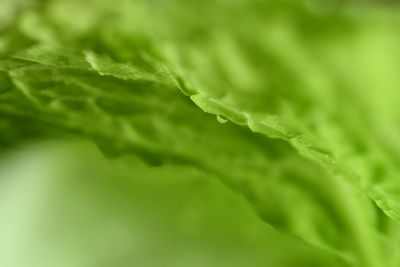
[9,9]
[62,205]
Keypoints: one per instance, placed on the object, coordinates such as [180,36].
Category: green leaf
[145,114]
[301,99]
